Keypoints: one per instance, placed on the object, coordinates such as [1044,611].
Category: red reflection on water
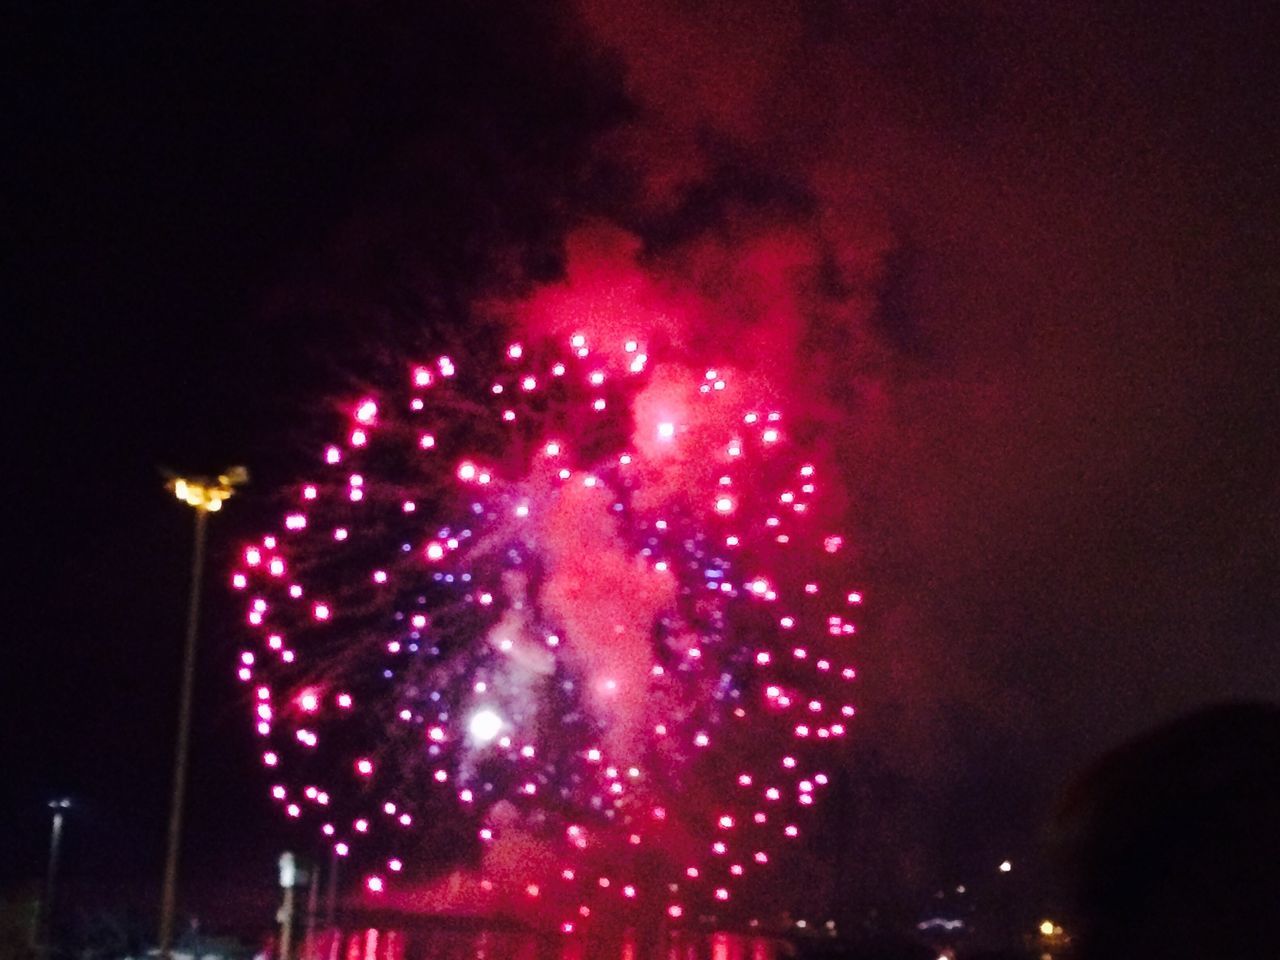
[460,944]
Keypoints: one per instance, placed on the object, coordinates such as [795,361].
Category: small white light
[485,725]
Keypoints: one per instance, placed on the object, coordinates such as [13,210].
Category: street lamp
[59,807]
[206,495]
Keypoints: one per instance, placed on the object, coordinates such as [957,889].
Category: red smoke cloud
[963,246]
[608,600]
[951,238]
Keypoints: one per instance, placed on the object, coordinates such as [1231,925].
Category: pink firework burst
[566,620]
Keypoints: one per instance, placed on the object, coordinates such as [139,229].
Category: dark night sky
[1064,468]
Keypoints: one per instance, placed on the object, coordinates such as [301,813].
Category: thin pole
[50,884]
[286,925]
[313,899]
[169,893]
[331,900]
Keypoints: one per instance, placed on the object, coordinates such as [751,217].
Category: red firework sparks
[566,614]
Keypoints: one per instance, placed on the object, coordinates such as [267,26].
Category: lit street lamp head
[207,494]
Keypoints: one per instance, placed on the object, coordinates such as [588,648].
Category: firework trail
[567,615]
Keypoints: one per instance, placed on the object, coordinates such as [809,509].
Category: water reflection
[456,944]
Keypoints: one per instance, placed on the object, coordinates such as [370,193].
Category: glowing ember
[485,725]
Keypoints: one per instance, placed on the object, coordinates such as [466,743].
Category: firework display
[568,621]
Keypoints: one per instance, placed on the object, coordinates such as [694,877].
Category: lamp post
[59,808]
[313,903]
[206,496]
[288,880]
[331,899]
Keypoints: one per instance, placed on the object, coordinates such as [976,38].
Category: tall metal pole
[286,925]
[51,877]
[331,900]
[313,902]
[169,894]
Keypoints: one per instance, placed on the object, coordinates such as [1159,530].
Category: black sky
[1069,494]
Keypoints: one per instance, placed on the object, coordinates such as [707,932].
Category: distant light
[1005,866]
